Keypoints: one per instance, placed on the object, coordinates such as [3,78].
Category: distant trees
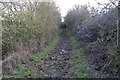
[62,25]
[76,15]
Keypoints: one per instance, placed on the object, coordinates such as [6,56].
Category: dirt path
[57,63]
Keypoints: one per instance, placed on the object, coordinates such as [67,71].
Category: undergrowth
[28,70]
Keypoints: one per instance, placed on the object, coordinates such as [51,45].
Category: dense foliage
[27,28]
[76,15]
[26,23]
[97,33]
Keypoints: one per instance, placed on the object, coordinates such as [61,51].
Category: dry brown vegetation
[27,28]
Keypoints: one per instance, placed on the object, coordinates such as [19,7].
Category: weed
[28,70]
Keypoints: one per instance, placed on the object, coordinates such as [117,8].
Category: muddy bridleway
[56,63]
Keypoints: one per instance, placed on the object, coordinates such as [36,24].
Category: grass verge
[78,60]
[28,69]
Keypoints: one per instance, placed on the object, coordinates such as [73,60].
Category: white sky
[65,5]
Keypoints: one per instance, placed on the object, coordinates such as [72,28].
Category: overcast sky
[65,5]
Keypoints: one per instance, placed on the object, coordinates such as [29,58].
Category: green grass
[79,69]
[28,70]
